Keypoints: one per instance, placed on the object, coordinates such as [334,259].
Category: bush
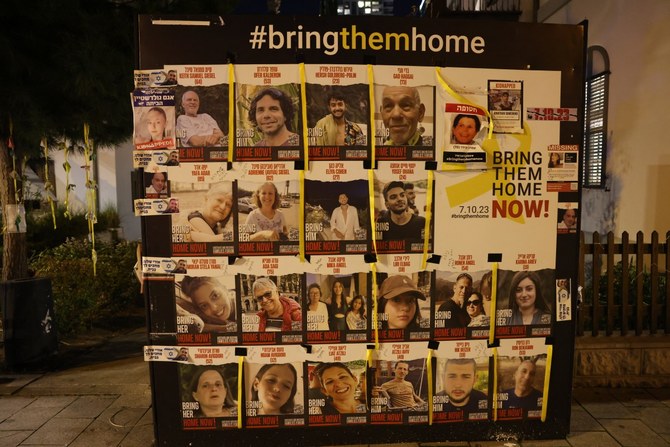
[81,300]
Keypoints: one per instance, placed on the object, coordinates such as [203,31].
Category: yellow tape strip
[547,376]
[303,109]
[240,382]
[429,218]
[495,384]
[494,297]
[301,226]
[368,357]
[371,193]
[462,99]
[231,109]
[429,366]
[375,321]
[371,133]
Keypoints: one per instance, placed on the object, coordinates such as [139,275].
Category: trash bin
[28,320]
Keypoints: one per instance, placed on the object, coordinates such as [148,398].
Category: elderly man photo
[402,111]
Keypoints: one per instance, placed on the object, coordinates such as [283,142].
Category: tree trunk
[14,245]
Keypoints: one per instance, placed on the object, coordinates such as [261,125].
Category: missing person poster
[462,382]
[274,381]
[201,102]
[403,192]
[521,367]
[403,306]
[399,384]
[268,113]
[209,395]
[154,112]
[462,304]
[337,308]
[337,387]
[337,209]
[206,310]
[525,303]
[338,115]
[404,113]
[271,308]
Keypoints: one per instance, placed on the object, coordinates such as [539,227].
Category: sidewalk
[103,398]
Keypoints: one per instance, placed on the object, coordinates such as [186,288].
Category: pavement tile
[13,438]
[445,444]
[58,431]
[142,434]
[662,394]
[601,403]
[135,400]
[10,405]
[546,443]
[87,406]
[38,412]
[658,419]
[581,420]
[635,397]
[633,433]
[591,439]
[100,433]
[11,383]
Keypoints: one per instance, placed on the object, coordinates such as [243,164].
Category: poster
[394,179]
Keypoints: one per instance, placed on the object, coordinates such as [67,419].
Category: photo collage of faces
[296,243]
[287,386]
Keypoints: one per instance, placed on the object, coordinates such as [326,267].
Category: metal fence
[625,285]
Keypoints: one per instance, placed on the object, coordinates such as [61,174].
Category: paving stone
[657,419]
[600,403]
[546,443]
[11,383]
[591,439]
[142,434]
[100,433]
[13,438]
[134,400]
[662,394]
[581,420]
[11,405]
[87,406]
[445,444]
[29,419]
[635,397]
[633,433]
[58,431]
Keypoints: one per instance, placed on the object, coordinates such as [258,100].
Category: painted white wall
[636,35]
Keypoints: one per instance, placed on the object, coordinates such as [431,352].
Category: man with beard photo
[458,380]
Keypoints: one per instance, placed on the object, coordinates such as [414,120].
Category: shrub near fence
[631,292]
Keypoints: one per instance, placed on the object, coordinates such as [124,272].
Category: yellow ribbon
[371,94]
[494,297]
[429,366]
[47,183]
[371,193]
[240,382]
[495,384]
[303,110]
[429,218]
[375,321]
[231,108]
[90,194]
[301,232]
[66,166]
[547,376]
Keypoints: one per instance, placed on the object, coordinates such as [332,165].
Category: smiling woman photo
[339,386]
[214,223]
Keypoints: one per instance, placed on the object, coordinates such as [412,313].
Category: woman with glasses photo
[278,313]
[475,309]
